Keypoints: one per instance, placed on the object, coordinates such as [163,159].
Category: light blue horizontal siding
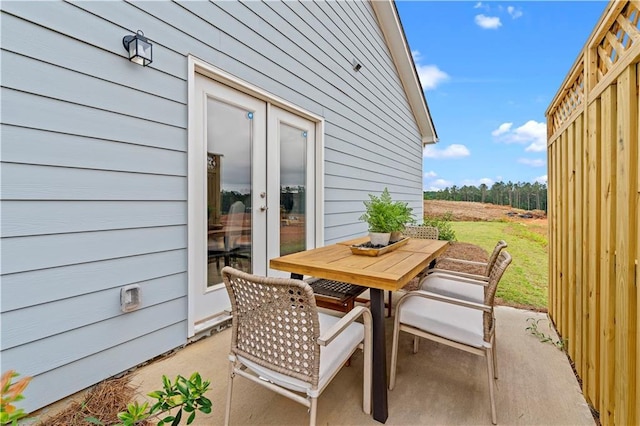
[48,285]
[65,348]
[333,207]
[345,175]
[21,254]
[101,34]
[342,232]
[339,219]
[29,182]
[41,321]
[331,38]
[366,181]
[31,146]
[21,36]
[36,112]
[338,139]
[47,387]
[25,218]
[34,76]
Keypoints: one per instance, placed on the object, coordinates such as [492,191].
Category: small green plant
[382,214]
[11,392]
[402,216]
[532,328]
[379,212]
[443,223]
[185,394]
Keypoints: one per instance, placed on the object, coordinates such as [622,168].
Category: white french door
[252,191]
[291,184]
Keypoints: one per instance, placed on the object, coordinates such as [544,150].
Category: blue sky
[490,70]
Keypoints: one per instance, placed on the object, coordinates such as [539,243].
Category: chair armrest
[457,278]
[475,277]
[359,311]
[445,299]
[466,262]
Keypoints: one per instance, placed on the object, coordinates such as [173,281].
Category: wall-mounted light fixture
[139,48]
[356,65]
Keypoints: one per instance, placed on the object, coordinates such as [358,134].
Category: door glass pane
[293,155]
[229,141]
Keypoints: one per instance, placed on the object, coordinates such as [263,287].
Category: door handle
[263,208]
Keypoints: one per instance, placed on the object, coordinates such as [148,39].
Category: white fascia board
[393,32]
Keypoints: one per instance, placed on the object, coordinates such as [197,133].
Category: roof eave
[394,35]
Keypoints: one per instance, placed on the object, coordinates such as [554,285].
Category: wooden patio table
[389,271]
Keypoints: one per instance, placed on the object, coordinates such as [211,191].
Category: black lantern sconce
[139,48]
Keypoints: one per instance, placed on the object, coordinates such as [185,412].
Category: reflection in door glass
[229,139]
[293,153]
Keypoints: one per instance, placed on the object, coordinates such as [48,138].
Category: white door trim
[196,214]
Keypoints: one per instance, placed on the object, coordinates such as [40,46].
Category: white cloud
[503,128]
[515,13]
[478,5]
[488,22]
[537,146]
[478,182]
[437,185]
[541,179]
[452,151]
[430,174]
[531,132]
[430,75]
[537,162]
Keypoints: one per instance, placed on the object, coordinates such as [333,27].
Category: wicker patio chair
[460,323]
[457,284]
[425,233]
[486,266]
[279,339]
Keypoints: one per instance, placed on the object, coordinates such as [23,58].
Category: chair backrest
[275,323]
[500,265]
[423,232]
[494,256]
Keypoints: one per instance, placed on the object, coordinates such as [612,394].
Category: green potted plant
[384,216]
[402,216]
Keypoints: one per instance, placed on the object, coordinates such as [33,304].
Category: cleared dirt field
[470,212]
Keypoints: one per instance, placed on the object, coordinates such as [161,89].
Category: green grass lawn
[525,284]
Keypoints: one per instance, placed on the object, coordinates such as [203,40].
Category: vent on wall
[130,298]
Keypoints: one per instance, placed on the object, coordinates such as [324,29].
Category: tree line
[520,195]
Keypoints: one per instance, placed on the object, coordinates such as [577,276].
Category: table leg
[380,407]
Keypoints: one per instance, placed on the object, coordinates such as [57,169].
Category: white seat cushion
[452,322]
[449,285]
[332,357]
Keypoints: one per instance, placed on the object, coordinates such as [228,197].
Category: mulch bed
[457,250]
[103,402]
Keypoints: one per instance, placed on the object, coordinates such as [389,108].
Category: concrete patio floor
[439,385]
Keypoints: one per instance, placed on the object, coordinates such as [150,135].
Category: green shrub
[443,223]
[11,392]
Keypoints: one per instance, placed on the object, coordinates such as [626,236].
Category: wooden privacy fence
[594,214]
